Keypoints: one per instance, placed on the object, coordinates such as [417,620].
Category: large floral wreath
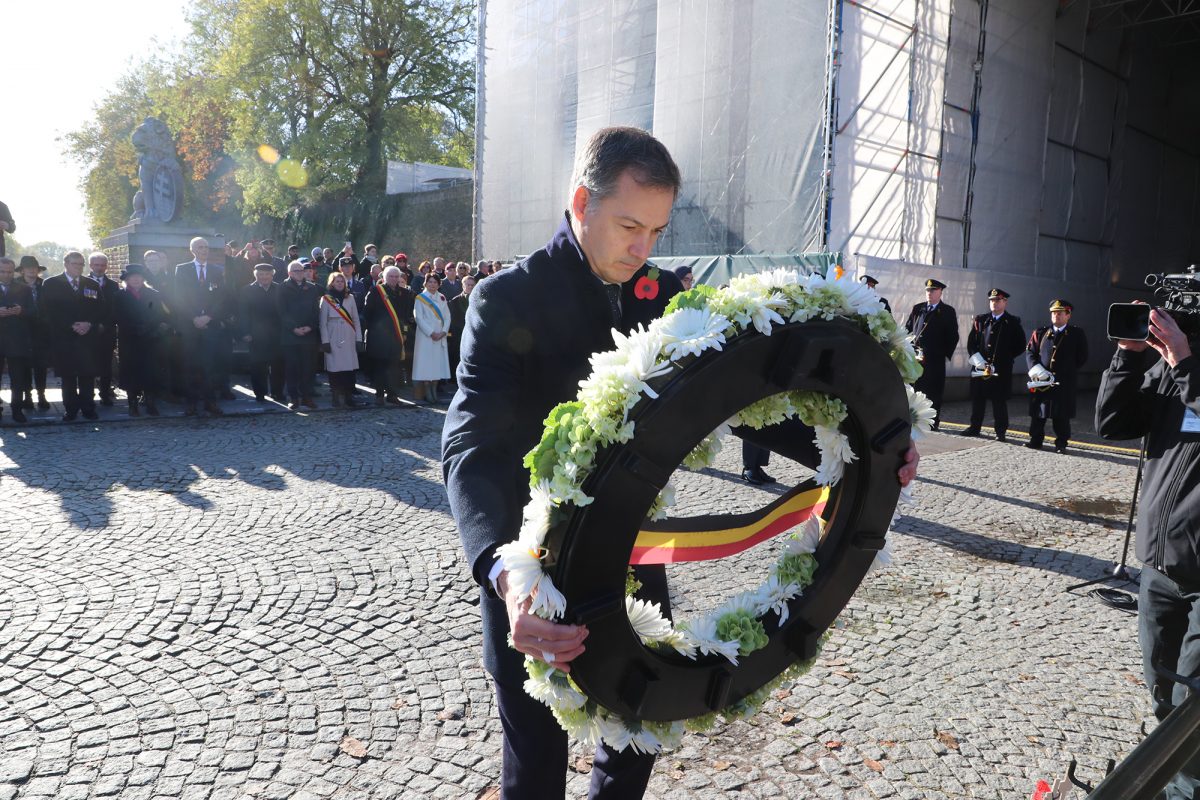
[697,320]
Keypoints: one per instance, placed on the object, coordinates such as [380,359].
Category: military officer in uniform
[1055,353]
[873,284]
[934,326]
[996,338]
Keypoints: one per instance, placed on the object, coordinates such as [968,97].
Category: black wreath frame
[592,546]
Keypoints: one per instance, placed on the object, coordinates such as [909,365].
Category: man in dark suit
[297,303]
[996,338]
[258,324]
[39,364]
[530,331]
[16,333]
[203,318]
[71,302]
[106,340]
[1056,352]
[934,326]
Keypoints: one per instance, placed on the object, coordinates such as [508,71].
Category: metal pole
[480,112]
[1150,766]
[832,63]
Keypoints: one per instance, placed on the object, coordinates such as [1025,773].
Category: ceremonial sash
[700,538]
[336,307]
[391,310]
[433,306]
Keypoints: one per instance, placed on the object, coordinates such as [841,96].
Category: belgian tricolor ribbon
[391,310]
[711,537]
[338,308]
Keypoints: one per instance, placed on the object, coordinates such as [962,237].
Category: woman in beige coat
[341,334]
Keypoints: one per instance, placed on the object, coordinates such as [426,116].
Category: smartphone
[1129,321]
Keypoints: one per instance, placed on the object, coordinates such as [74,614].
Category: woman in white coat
[341,333]
[431,354]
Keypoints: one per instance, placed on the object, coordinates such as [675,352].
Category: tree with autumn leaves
[283,104]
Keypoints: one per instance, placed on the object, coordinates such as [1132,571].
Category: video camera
[1180,295]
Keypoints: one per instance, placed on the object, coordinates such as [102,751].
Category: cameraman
[1142,394]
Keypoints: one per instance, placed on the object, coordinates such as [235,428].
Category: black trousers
[18,377]
[78,391]
[1062,430]
[267,373]
[1169,626]
[104,364]
[387,376]
[754,456]
[299,363]
[932,383]
[200,363]
[342,381]
[993,389]
[35,374]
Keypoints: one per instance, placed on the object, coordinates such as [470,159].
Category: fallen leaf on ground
[582,765]
[873,764]
[399,704]
[947,739]
[353,747]
[787,718]
[720,766]
[887,743]
[845,673]
[834,744]
[490,793]
[783,694]
[835,662]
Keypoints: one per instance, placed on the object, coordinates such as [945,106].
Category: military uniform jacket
[16,332]
[530,331]
[1000,340]
[1063,354]
[298,307]
[936,331]
[258,318]
[63,307]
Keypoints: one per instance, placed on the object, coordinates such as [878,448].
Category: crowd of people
[168,333]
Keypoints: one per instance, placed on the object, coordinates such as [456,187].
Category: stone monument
[158,220]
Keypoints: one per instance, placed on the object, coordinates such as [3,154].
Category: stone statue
[160,198]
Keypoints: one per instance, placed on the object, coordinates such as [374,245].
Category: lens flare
[268,154]
[292,173]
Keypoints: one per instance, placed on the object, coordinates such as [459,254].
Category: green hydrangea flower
[696,297]
[797,568]
[745,629]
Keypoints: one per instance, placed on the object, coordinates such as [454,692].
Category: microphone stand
[1121,572]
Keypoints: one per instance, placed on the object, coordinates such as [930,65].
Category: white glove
[977,361]
[1039,373]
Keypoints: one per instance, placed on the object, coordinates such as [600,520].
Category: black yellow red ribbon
[391,310]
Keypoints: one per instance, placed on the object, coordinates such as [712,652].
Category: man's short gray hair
[392,270]
[98,254]
[611,151]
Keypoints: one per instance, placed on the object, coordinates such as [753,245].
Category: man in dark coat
[530,331]
[388,336]
[934,326]
[142,332]
[873,284]
[71,302]
[203,317]
[996,338]
[106,340]
[1055,352]
[529,334]
[458,320]
[258,325]
[16,333]
[39,364]
[297,303]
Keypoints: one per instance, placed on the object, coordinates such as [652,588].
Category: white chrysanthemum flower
[535,517]
[647,620]
[585,730]
[664,501]
[808,538]
[774,596]
[860,298]
[835,454]
[764,314]
[558,694]
[643,350]
[921,411]
[523,562]
[745,601]
[646,742]
[681,642]
[779,278]
[702,635]
[616,735]
[691,331]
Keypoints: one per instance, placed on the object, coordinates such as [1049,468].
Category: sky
[59,59]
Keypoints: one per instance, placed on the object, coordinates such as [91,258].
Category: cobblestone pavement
[232,608]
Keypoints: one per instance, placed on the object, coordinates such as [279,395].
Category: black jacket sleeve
[1127,396]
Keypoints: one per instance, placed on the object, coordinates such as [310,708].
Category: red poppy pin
[646,287]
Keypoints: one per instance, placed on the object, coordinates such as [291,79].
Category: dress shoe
[1033,445]
[969,432]
[214,409]
[260,398]
[1001,436]
[294,405]
[92,415]
[190,411]
[27,403]
[1062,451]
[755,477]
[309,403]
[106,400]
[151,408]
[70,416]
[43,404]
[17,414]
[379,399]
